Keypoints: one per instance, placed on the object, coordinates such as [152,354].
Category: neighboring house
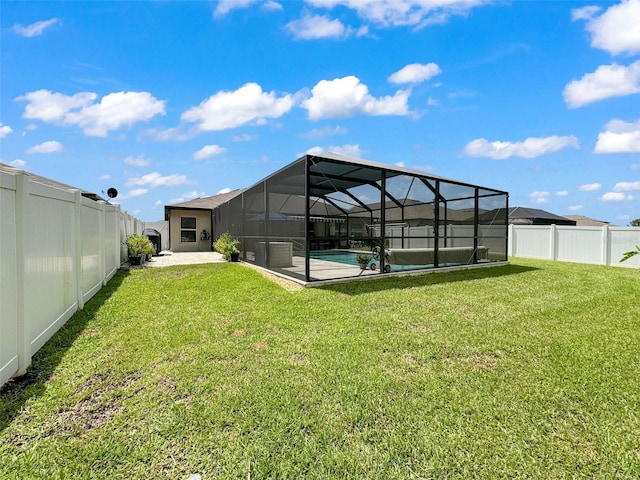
[52,183]
[190,223]
[582,221]
[535,216]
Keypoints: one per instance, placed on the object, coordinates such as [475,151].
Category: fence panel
[597,245]
[57,249]
[50,288]
[579,244]
[8,279]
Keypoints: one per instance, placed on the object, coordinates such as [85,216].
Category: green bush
[226,245]
[139,245]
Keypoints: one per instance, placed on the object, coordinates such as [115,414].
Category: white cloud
[104,177]
[418,13]
[345,97]
[271,5]
[616,197]
[193,194]
[135,193]
[138,161]
[432,102]
[619,137]
[156,180]
[208,151]
[539,197]
[224,190]
[53,107]
[17,163]
[590,187]
[225,6]
[248,104]
[617,30]
[584,13]
[635,166]
[46,147]
[530,148]
[415,73]
[35,29]
[574,208]
[5,130]
[352,150]
[319,133]
[312,27]
[114,110]
[607,81]
[245,137]
[562,193]
[626,186]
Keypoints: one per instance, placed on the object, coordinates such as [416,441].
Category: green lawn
[530,370]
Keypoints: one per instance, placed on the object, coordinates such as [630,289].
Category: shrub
[226,245]
[139,245]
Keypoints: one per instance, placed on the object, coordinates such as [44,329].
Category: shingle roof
[52,183]
[582,221]
[207,203]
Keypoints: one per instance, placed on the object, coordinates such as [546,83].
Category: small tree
[635,223]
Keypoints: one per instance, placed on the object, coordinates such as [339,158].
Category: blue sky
[167,101]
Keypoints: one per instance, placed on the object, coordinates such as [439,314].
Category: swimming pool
[346,257]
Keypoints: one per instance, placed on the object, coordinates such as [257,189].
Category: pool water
[346,257]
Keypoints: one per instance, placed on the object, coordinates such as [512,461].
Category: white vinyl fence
[597,245]
[57,250]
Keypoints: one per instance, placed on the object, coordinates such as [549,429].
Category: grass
[529,370]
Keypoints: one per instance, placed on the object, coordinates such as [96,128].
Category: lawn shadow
[432,278]
[17,391]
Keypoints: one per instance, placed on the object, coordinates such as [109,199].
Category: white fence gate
[57,250]
[598,245]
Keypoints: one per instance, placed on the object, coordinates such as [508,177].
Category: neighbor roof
[535,215]
[207,203]
[52,183]
[582,221]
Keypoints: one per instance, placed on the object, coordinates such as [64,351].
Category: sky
[167,101]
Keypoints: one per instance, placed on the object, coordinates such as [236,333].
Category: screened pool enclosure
[320,217]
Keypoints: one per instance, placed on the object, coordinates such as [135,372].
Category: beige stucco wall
[203,222]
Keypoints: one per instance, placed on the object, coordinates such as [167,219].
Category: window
[187,229]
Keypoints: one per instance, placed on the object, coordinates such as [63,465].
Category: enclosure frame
[310,219]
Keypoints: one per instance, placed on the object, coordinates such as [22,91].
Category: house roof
[536,216]
[52,183]
[206,203]
[582,221]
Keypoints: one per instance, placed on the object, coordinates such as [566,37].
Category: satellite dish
[112,192]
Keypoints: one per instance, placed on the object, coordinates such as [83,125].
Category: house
[582,221]
[533,216]
[190,223]
[52,183]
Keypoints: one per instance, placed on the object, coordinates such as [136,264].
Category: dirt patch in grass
[474,362]
[259,346]
[102,404]
[240,333]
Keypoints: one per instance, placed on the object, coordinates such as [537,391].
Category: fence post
[606,258]
[101,234]
[24,324]
[553,248]
[511,243]
[77,238]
